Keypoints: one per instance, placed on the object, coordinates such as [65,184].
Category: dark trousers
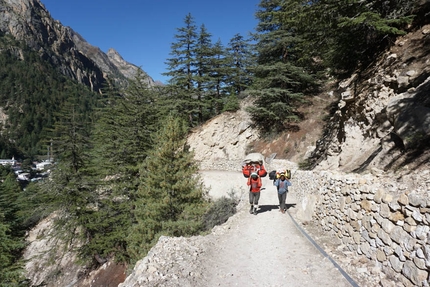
[282,198]
[254,197]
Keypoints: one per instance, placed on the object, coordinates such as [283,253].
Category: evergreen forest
[123,173]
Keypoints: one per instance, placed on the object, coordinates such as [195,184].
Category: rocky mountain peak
[114,55]
[29,21]
[127,69]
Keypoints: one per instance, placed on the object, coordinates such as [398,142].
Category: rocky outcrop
[171,262]
[381,108]
[48,261]
[223,142]
[29,22]
[51,261]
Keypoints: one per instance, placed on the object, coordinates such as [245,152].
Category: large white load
[254,162]
[254,158]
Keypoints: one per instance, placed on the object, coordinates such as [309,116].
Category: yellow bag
[286,172]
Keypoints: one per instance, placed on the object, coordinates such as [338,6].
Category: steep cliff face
[29,21]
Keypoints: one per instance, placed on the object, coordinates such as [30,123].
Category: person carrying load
[253,169]
[254,183]
[282,184]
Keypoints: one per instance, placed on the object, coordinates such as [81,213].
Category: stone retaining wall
[382,217]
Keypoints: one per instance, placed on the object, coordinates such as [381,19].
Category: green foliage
[280,83]
[298,40]
[106,224]
[203,75]
[97,177]
[123,128]
[231,103]
[31,92]
[239,63]
[11,230]
[72,189]
[169,200]
[35,204]
[11,270]
[9,205]
[305,164]
[345,35]
[416,140]
[219,212]
[182,70]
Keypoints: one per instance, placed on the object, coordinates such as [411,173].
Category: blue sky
[142,31]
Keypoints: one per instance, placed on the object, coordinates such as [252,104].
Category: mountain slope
[29,21]
[382,117]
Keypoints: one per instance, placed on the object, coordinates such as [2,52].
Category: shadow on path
[264,208]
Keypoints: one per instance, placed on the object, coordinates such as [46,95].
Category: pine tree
[169,200]
[182,70]
[240,63]
[344,35]
[9,204]
[71,186]
[218,86]
[11,230]
[121,136]
[121,140]
[279,83]
[11,270]
[204,53]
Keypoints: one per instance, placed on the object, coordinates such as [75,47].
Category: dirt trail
[265,249]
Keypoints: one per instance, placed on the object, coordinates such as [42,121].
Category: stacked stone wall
[385,218]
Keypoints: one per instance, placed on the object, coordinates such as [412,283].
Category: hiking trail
[266,249]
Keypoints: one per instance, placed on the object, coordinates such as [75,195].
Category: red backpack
[249,168]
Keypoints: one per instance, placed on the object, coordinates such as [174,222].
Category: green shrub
[231,104]
[305,164]
[219,211]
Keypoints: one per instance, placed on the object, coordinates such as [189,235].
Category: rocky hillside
[29,21]
[379,117]
[383,114]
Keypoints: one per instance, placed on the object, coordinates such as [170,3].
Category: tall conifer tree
[11,271]
[204,54]
[169,200]
[181,70]
[279,82]
[11,230]
[72,188]
[344,35]
[218,89]
[240,62]
[122,138]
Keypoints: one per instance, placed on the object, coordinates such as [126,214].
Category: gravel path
[265,249]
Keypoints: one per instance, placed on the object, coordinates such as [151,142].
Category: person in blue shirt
[282,184]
